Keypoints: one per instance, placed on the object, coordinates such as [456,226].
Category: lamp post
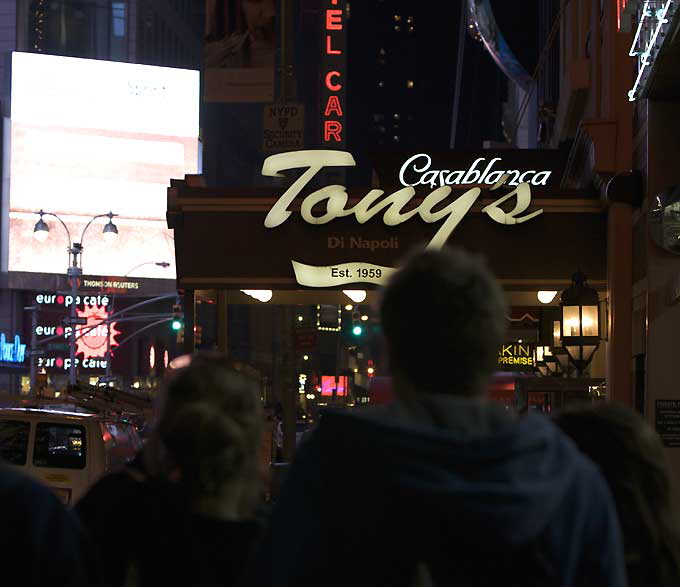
[580,322]
[75,270]
[164,265]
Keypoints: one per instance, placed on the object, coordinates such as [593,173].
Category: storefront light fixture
[261,295]
[580,322]
[356,295]
[546,297]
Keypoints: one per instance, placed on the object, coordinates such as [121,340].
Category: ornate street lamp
[580,322]
[74,271]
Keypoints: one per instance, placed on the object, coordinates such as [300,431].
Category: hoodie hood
[476,465]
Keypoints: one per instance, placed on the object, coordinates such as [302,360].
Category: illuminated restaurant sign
[319,232]
[12,352]
[516,356]
[417,170]
[333,73]
[372,204]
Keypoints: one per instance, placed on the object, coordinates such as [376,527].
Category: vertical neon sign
[333,73]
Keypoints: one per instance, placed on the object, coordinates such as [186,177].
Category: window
[118,17]
[60,446]
[121,442]
[14,441]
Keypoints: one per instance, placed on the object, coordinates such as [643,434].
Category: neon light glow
[651,22]
[152,357]
[332,96]
[13,352]
[93,343]
[328,385]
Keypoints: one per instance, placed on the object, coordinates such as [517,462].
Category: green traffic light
[357,330]
[176,325]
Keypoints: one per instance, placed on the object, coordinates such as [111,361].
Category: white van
[66,450]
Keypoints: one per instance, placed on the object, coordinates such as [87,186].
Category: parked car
[65,447]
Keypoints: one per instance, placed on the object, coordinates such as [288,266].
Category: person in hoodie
[442,487]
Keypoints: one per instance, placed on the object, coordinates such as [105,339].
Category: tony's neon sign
[391,207]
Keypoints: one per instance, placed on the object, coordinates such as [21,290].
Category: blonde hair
[209,429]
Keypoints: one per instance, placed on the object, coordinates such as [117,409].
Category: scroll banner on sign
[343,274]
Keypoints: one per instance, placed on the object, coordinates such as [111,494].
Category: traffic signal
[177,318]
[357,328]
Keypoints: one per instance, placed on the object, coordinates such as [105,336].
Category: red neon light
[329,81]
[329,47]
[332,128]
[334,20]
[93,342]
[333,106]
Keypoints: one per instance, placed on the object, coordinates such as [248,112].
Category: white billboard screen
[87,137]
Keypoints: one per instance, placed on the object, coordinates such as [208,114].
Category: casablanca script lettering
[392,206]
[408,175]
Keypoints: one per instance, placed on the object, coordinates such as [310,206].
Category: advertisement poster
[240,50]
[87,137]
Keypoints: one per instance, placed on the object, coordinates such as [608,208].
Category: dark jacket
[455,488]
[40,542]
[144,534]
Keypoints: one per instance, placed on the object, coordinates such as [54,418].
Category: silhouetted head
[443,316]
[209,432]
[631,458]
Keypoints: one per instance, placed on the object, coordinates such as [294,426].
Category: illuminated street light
[74,273]
[110,231]
[364,318]
[305,358]
[41,230]
[349,307]
[370,370]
